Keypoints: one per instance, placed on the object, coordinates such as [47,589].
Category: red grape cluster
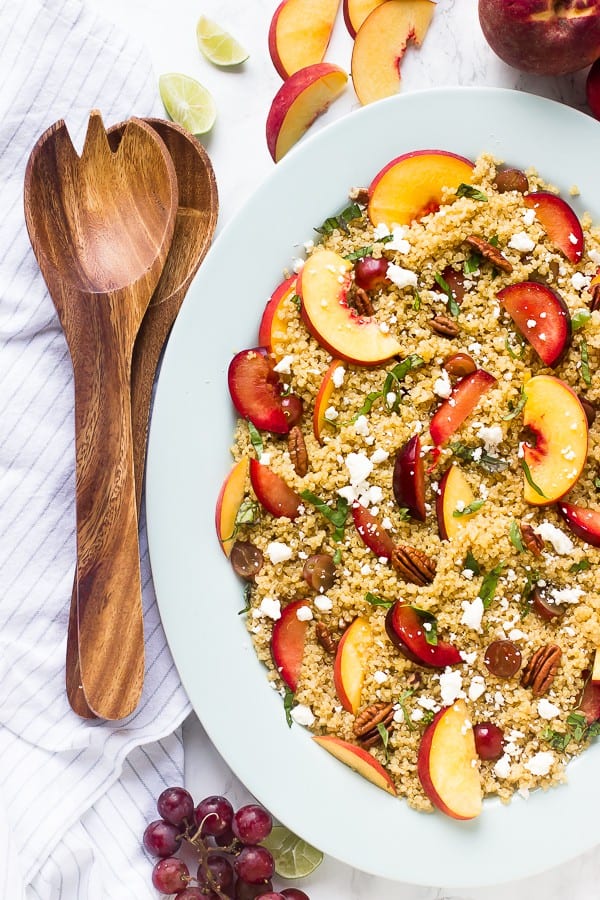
[231,862]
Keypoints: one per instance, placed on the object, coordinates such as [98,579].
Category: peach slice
[380,44]
[299,33]
[408,479]
[228,503]
[358,759]
[411,185]
[356,11]
[465,396]
[583,522]
[298,102]
[542,317]
[559,222]
[349,665]
[287,643]
[447,763]
[555,416]
[273,493]
[595,677]
[454,493]
[320,421]
[272,331]
[323,285]
[372,532]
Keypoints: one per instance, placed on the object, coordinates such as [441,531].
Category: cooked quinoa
[534,754]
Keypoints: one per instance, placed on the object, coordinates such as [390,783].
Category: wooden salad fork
[100,225]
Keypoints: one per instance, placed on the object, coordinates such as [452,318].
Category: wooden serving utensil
[101,226]
[194,228]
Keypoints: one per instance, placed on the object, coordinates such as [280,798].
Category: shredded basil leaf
[453,307]
[520,341]
[340,221]
[402,704]
[255,438]
[485,460]
[374,600]
[429,619]
[530,480]
[360,253]
[585,362]
[403,513]
[471,508]
[471,264]
[296,300]
[597,483]
[337,556]
[515,536]
[471,563]
[467,190]
[247,597]
[247,514]
[489,585]
[337,514]
[494,241]
[288,702]
[392,378]
[517,408]
[580,318]
[580,566]
[417,300]
[385,737]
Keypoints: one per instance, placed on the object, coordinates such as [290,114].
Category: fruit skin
[465,396]
[452,488]
[337,327]
[592,89]
[358,759]
[273,493]
[255,390]
[322,401]
[349,668]
[405,629]
[272,328]
[299,33]
[553,412]
[559,222]
[371,273]
[355,12]
[380,43]
[372,532]
[408,478]
[299,101]
[541,37]
[525,302]
[589,702]
[410,186]
[446,763]
[228,503]
[585,523]
[287,643]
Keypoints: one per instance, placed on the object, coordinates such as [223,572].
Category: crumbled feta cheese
[417,714]
[268,607]
[359,466]
[265,459]
[302,715]
[380,231]
[521,242]
[491,437]
[308,245]
[528,216]
[380,677]
[531,323]
[401,277]
[278,552]
[451,686]
[546,709]
[338,376]
[331,413]
[472,613]
[469,658]
[348,493]
[398,715]
[284,366]
[366,569]
[398,242]
[502,767]
[566,595]
[304,614]
[540,763]
[516,634]
[379,456]
[468,574]
[428,703]
[390,398]
[580,281]
[323,603]
[594,255]
[561,542]
[387,523]
[297,265]
[477,687]
[442,386]
[499,698]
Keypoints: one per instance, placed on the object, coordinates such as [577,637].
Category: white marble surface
[454,53]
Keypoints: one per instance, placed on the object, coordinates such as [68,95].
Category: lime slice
[217,45]
[294,858]
[187,102]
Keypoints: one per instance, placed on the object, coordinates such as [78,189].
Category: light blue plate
[192,425]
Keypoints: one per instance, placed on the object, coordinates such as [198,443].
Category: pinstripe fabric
[74,796]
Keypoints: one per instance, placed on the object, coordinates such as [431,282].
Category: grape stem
[195,839]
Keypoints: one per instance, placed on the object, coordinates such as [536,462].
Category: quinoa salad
[414,501]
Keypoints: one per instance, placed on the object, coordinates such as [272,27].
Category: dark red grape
[370,273]
[294,894]
[245,891]
[542,606]
[196,893]
[216,813]
[319,571]
[292,408]
[221,872]
[246,559]
[225,839]
[170,875]
[489,740]
[252,824]
[503,658]
[272,895]
[254,864]
[175,804]
[161,838]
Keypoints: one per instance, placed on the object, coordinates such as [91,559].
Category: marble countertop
[454,53]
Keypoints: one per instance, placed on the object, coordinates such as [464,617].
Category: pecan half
[297,451]
[444,326]
[489,252]
[325,638]
[359,195]
[539,672]
[413,565]
[511,180]
[366,722]
[534,542]
[362,302]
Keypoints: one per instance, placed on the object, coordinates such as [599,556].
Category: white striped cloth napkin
[74,796]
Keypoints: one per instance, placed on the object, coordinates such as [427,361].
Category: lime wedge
[217,45]
[294,858]
[187,102]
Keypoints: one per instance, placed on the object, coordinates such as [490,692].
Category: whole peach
[545,37]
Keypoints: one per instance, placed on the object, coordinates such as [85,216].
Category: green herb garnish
[429,625]
[288,702]
[247,597]
[471,264]
[393,378]
[247,514]
[471,563]
[255,438]
[417,300]
[385,738]
[515,536]
[581,566]
[494,241]
[516,409]
[597,483]
[337,556]
[374,600]
[402,704]
[585,362]
[471,508]
[360,253]
[428,716]
[530,480]
[489,585]
[478,456]
[340,221]
[578,730]
[296,300]
[467,190]
[403,513]
[453,307]
[337,514]
[580,318]
[521,343]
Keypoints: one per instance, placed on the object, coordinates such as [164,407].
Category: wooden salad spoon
[100,225]
[194,229]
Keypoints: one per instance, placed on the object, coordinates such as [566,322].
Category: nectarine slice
[380,44]
[356,11]
[323,286]
[583,522]
[406,629]
[272,331]
[554,415]
[327,386]
[358,759]
[447,763]
[228,503]
[454,494]
[408,479]
[559,222]
[542,317]
[372,532]
[349,665]
[287,643]
[452,412]
[299,33]
[303,97]
[256,391]
[411,185]
[273,493]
